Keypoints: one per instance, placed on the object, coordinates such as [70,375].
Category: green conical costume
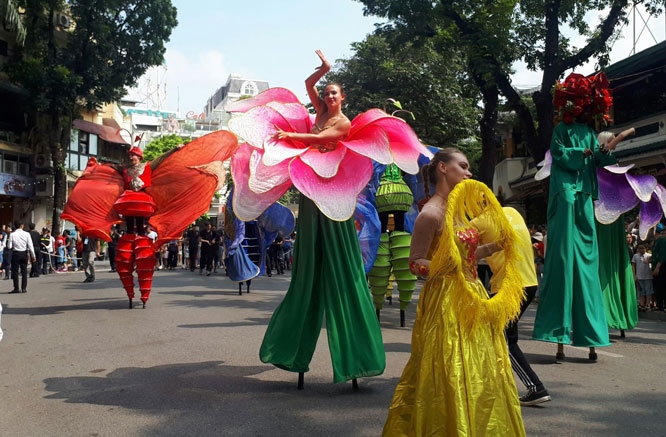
[327,278]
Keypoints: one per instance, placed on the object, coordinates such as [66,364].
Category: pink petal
[324,164]
[371,141]
[295,113]
[264,178]
[277,151]
[397,139]
[270,95]
[248,205]
[258,124]
[365,118]
[405,145]
[336,196]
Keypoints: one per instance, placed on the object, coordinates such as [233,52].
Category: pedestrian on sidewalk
[20,242]
[91,249]
[36,266]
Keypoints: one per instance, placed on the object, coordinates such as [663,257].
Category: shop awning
[108,134]
[19,150]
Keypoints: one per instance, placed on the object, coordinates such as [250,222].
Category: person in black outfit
[46,246]
[172,255]
[115,236]
[275,256]
[193,246]
[7,254]
[215,248]
[36,266]
[207,236]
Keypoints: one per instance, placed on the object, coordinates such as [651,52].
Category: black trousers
[36,268]
[20,261]
[519,363]
[193,257]
[112,256]
[206,260]
[659,283]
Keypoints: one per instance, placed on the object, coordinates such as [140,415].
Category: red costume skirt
[135,204]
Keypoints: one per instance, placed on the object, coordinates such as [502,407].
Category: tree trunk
[58,144]
[488,125]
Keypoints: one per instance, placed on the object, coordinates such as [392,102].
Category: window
[81,148]
[10,165]
[249,89]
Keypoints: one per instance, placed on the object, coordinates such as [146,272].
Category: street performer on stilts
[135,248]
[169,193]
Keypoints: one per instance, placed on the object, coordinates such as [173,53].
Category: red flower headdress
[583,96]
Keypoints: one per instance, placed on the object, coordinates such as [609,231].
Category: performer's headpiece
[578,96]
[134,150]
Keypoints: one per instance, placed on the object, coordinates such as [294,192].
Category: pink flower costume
[328,276]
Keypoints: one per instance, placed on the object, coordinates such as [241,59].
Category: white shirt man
[20,242]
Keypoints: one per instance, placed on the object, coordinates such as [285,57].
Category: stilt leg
[354,384]
[402,318]
[301,378]
[560,352]
[377,312]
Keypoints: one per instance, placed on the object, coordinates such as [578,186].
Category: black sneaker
[534,397]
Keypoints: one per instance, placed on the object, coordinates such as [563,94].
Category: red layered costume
[169,193]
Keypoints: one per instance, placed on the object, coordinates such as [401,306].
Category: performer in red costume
[135,248]
[168,193]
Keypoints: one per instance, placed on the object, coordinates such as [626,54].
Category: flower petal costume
[328,275]
[571,267]
[171,192]
[619,193]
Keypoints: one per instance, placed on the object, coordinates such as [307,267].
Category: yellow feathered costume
[458,380]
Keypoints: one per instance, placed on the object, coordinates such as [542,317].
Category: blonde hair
[604,136]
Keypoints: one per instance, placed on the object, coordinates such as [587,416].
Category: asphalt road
[75,361]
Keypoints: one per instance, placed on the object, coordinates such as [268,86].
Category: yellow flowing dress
[458,380]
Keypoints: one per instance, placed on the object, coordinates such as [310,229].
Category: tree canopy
[103,47]
[428,84]
[496,34]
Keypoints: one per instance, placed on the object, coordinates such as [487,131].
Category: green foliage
[161,145]
[111,45]
[9,13]
[428,84]
[291,197]
[494,34]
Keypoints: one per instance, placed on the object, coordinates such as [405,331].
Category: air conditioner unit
[42,161]
[63,20]
[44,185]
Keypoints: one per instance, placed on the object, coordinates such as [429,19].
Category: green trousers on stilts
[328,278]
[616,276]
[571,306]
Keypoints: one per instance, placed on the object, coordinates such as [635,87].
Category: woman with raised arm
[328,275]
[329,160]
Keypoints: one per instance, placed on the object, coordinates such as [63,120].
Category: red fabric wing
[185,181]
[90,205]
